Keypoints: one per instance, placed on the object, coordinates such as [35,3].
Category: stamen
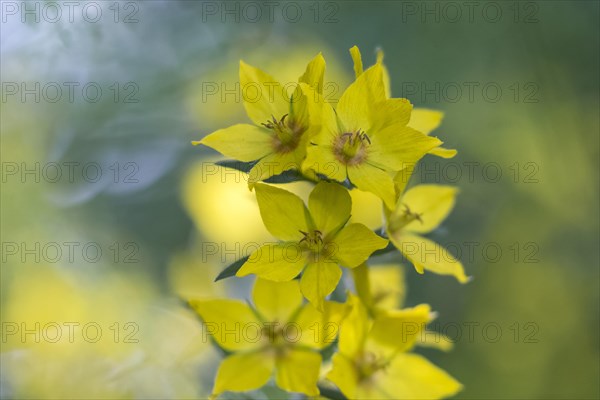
[314,238]
[351,147]
[287,134]
[411,214]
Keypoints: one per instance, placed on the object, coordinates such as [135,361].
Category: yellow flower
[315,240]
[278,334]
[387,292]
[373,363]
[422,119]
[419,211]
[282,122]
[366,138]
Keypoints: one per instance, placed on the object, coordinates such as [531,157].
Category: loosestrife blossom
[422,119]
[277,334]
[368,141]
[373,361]
[282,123]
[419,211]
[365,138]
[315,240]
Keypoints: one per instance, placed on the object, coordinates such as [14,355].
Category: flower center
[351,147]
[278,338]
[318,249]
[312,240]
[405,217]
[273,333]
[368,364]
[287,134]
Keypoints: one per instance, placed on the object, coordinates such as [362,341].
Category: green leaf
[330,393]
[232,269]
[237,165]
[285,177]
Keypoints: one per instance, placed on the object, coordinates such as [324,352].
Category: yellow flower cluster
[368,141]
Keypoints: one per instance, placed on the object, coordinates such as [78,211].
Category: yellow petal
[284,214]
[276,301]
[401,180]
[319,280]
[411,376]
[355,243]
[425,120]
[386,75]
[320,329]
[320,157]
[432,202]
[443,152]
[264,97]
[388,287]
[243,372]
[241,142]
[278,262]
[392,112]
[329,129]
[315,71]
[428,255]
[225,321]
[434,340]
[298,371]
[344,375]
[329,205]
[367,209]
[299,107]
[397,147]
[399,329]
[357,59]
[372,179]
[354,328]
[321,160]
[315,107]
[358,101]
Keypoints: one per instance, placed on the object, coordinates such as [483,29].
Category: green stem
[362,284]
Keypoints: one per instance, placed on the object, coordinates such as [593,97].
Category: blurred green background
[518,82]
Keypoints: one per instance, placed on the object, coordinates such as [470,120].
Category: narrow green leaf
[237,165]
[232,269]
[330,393]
